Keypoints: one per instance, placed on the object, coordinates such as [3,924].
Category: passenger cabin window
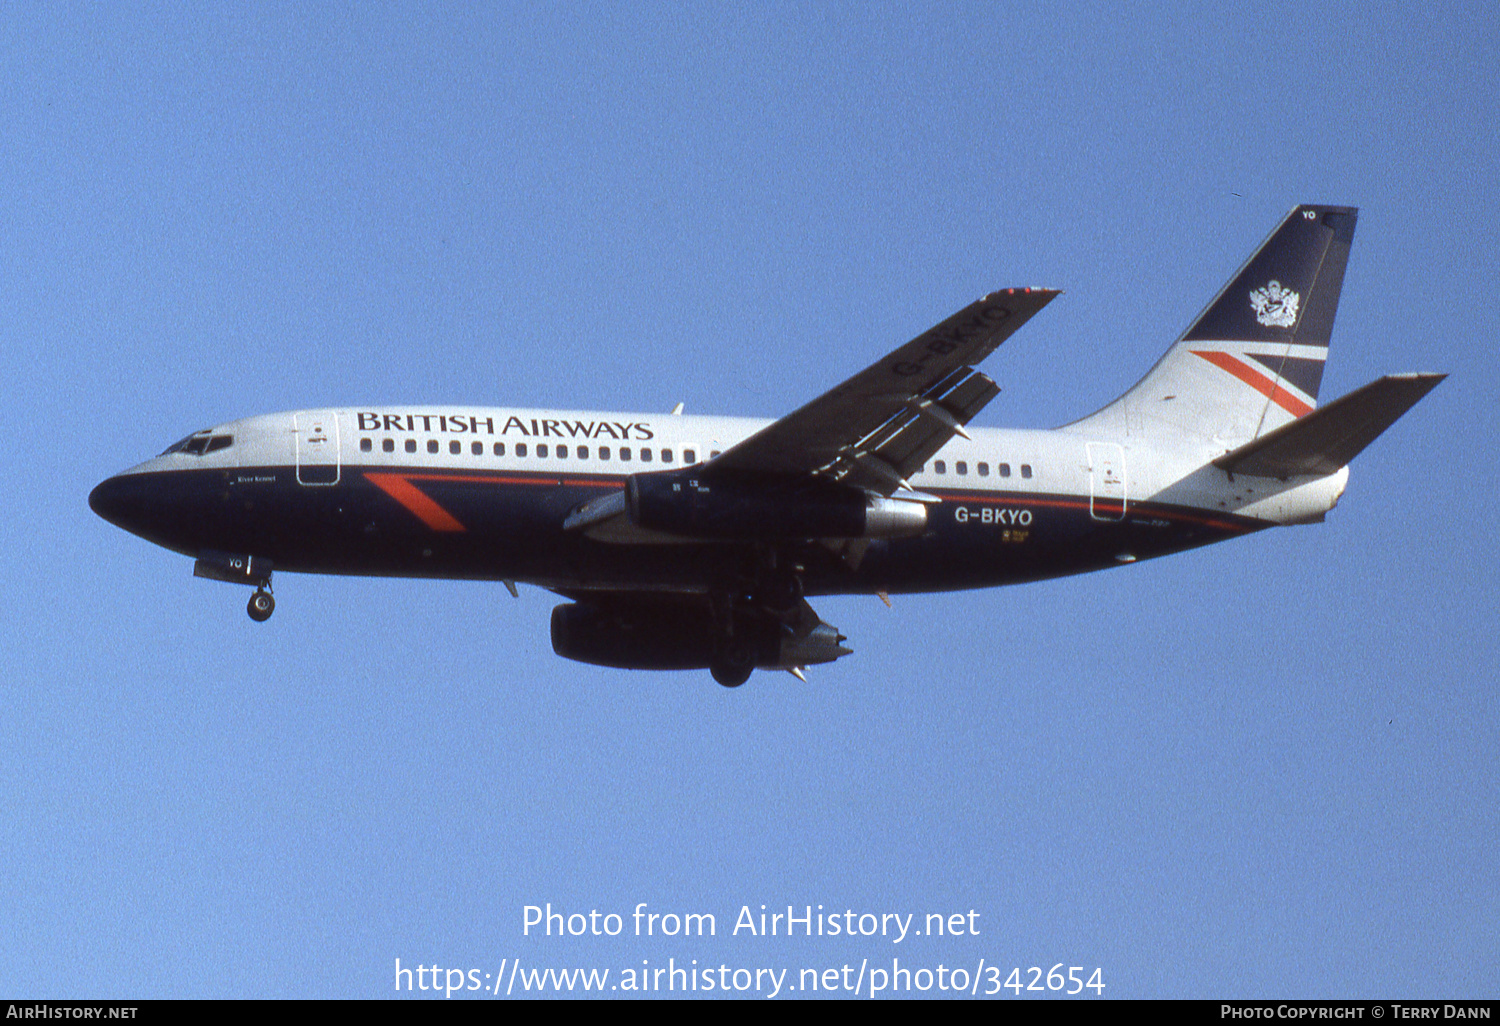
[1026,470]
[477,448]
[689,456]
[625,453]
[1005,470]
[387,445]
[645,455]
[455,448]
[960,467]
[562,452]
[939,467]
[604,452]
[666,455]
[583,452]
[411,445]
[432,445]
[499,448]
[520,448]
[984,470]
[365,445]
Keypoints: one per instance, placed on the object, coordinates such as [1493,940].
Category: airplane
[691,542]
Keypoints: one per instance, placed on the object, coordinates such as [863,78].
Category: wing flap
[884,459]
[874,415]
[1329,437]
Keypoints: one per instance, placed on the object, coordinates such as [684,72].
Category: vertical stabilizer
[1253,359]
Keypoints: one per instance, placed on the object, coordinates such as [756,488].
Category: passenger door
[317,434]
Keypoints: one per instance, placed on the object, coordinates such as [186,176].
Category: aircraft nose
[144,505]
[172,510]
[118,500]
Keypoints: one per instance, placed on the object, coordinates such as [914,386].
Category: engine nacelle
[764,508]
[681,636]
[666,637]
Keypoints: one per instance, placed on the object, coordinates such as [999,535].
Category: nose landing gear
[238,569]
[262,605]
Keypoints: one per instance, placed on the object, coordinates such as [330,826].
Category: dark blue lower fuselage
[508,526]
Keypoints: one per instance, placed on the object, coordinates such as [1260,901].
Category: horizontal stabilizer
[1329,437]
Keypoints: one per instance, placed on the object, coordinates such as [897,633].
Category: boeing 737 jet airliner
[686,542]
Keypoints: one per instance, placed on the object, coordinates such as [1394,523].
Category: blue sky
[1265,768]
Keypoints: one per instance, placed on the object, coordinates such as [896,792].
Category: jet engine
[674,635]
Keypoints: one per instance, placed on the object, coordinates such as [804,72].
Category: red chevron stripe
[1256,380]
[425,509]
[415,500]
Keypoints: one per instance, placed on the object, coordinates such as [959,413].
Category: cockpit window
[199,443]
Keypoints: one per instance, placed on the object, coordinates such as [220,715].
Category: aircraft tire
[733,664]
[261,606]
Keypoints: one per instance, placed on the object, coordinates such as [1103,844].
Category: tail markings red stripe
[1256,380]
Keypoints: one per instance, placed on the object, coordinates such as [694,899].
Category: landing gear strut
[261,606]
[780,591]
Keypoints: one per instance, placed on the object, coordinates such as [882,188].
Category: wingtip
[1432,379]
[1028,290]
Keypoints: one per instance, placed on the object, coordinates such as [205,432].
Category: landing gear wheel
[261,606]
[733,664]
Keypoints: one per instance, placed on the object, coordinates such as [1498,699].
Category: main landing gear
[262,605]
[779,590]
[733,661]
[753,619]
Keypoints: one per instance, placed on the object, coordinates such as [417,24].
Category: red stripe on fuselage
[1256,380]
[398,487]
[412,498]
[498,479]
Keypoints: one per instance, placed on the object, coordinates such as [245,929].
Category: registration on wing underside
[885,458]
[875,429]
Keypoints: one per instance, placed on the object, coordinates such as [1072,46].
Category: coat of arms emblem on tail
[1275,305]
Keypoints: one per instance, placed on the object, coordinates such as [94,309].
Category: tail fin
[1253,360]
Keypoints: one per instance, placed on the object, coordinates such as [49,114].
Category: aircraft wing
[877,428]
